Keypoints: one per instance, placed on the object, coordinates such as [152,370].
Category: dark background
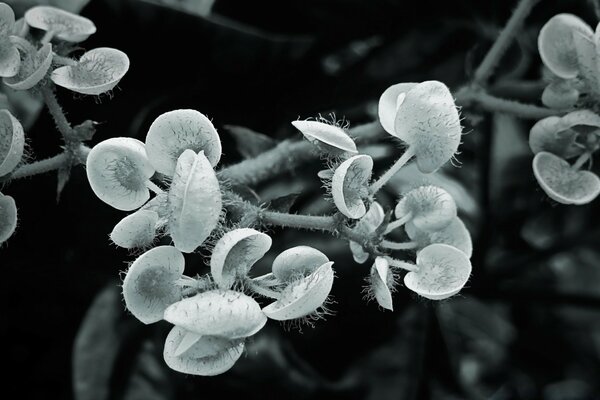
[526,327]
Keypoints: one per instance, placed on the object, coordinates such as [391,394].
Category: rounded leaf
[381,279]
[65,25]
[150,286]
[97,71]
[235,253]
[8,217]
[12,142]
[303,296]
[7,19]
[455,234]
[208,356]
[175,131]
[349,185]
[10,59]
[33,68]
[548,135]
[135,230]
[428,120]
[223,313]
[367,225]
[389,102]
[562,182]
[560,95]
[194,201]
[328,138]
[299,261]
[442,272]
[118,170]
[556,46]
[431,208]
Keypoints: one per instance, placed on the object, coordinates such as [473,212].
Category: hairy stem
[398,246]
[401,264]
[262,290]
[466,97]
[408,154]
[491,59]
[312,222]
[57,113]
[41,166]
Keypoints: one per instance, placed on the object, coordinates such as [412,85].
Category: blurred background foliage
[526,327]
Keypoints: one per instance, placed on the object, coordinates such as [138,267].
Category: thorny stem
[466,96]
[491,59]
[398,246]
[57,113]
[408,154]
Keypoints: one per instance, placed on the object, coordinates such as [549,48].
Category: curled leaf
[65,25]
[366,226]
[299,261]
[381,279]
[33,67]
[194,201]
[303,296]
[175,131]
[564,183]
[8,217]
[96,72]
[389,102]
[208,356]
[223,313]
[348,185]
[560,95]
[12,142]
[135,230]
[430,207]
[150,286]
[442,271]
[10,60]
[556,46]
[328,138]
[428,121]
[118,171]
[235,253]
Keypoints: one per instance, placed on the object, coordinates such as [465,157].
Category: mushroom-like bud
[10,60]
[194,201]
[556,44]
[349,185]
[297,262]
[8,217]
[564,183]
[442,271]
[118,171]
[135,230]
[328,138]
[207,356]
[427,120]
[96,72]
[430,207]
[235,253]
[367,225]
[65,25]
[455,234]
[223,313]
[381,281]
[34,65]
[303,296]
[12,142]
[175,131]
[150,284]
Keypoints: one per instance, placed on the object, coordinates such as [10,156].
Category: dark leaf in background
[250,143]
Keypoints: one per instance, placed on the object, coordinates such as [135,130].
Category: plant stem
[63,60]
[401,264]
[398,223]
[263,291]
[580,161]
[312,222]
[154,187]
[398,246]
[491,59]
[494,104]
[47,37]
[408,154]
[40,167]
[57,113]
